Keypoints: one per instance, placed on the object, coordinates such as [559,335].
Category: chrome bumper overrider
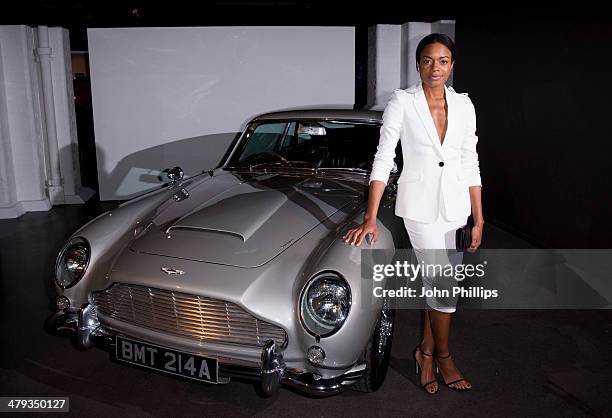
[272,373]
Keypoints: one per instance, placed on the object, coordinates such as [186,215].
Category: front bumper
[271,373]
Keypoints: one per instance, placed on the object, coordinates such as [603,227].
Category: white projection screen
[178,96]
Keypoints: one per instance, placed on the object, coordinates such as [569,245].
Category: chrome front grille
[192,316]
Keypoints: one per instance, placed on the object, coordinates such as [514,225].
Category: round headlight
[72,262]
[325,304]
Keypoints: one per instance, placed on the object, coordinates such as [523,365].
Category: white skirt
[440,236]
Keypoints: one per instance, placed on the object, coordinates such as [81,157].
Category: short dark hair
[433,38]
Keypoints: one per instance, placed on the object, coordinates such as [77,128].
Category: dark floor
[521,363]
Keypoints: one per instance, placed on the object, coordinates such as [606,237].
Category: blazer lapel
[453,121]
[422,109]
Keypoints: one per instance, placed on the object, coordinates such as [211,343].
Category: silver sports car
[241,271]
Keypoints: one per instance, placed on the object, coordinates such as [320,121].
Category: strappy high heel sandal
[448,385]
[418,369]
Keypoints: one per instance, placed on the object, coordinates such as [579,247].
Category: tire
[378,352]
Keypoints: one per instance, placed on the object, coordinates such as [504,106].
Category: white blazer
[432,174]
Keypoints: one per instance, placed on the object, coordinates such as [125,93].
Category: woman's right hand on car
[356,235]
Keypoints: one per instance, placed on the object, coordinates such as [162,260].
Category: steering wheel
[318,154]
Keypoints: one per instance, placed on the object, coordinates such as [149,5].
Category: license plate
[167,360]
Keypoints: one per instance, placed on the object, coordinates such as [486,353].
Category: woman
[438,188]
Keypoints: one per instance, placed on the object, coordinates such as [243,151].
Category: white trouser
[439,236]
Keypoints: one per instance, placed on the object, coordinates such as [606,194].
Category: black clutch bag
[463,235]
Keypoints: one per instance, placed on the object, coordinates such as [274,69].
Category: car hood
[243,220]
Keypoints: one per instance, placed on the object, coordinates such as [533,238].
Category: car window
[265,137]
[329,144]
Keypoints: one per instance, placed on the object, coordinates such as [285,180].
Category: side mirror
[175,174]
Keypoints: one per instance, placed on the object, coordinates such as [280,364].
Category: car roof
[324,114]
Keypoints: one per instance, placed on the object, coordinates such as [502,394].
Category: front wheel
[378,352]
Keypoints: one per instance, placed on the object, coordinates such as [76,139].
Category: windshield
[321,144]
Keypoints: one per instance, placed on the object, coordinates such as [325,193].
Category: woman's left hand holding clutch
[476,238]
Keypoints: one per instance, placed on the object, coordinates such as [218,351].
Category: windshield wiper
[275,164]
[354,170]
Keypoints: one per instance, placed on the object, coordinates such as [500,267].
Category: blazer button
[441,163]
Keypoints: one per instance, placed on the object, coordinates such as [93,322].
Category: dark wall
[541,88]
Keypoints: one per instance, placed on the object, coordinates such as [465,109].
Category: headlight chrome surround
[72,262]
[325,303]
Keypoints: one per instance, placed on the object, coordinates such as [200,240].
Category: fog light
[62,303]
[316,354]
